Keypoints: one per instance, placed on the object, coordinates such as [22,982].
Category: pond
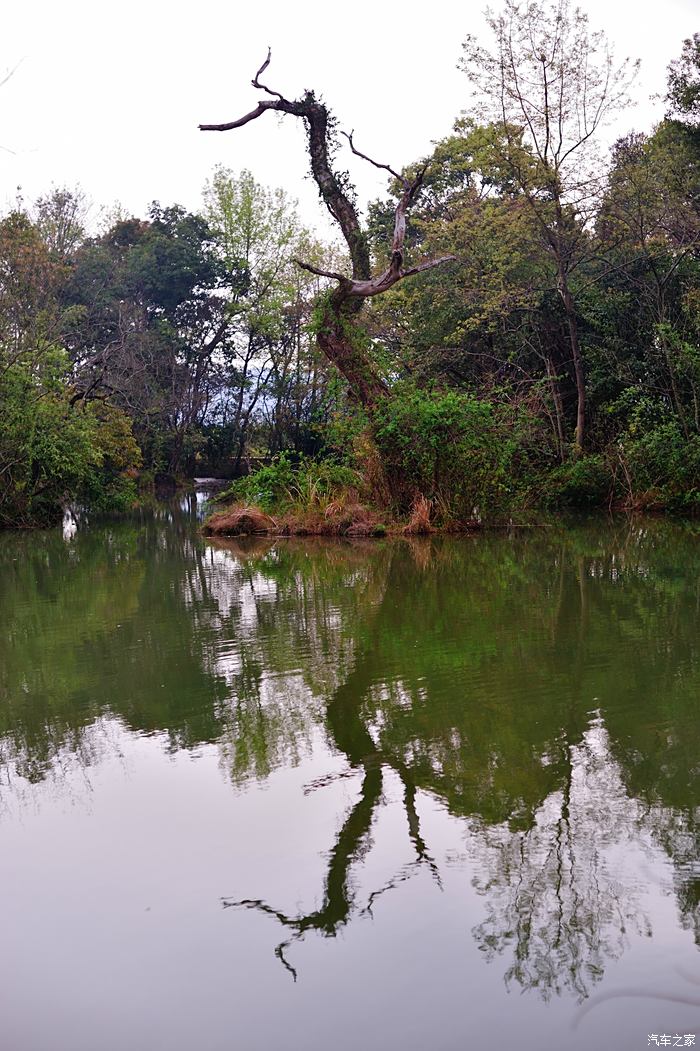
[398,794]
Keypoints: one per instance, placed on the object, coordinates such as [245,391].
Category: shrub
[468,457]
[582,483]
[281,484]
[662,468]
[53,452]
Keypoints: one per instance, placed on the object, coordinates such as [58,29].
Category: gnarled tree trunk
[338,335]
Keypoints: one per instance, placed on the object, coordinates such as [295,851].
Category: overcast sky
[109,96]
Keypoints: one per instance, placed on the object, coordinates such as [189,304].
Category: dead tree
[338,335]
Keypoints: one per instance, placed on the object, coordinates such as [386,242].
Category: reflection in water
[352,738]
[541,688]
[69,526]
[562,895]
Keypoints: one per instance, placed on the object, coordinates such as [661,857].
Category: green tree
[61,218]
[651,218]
[683,82]
[550,85]
[267,359]
[151,311]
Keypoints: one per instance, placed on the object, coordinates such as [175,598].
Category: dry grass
[341,517]
[240,521]
[419,523]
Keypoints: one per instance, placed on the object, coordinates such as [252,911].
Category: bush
[661,468]
[282,484]
[470,458]
[110,485]
[53,452]
[583,483]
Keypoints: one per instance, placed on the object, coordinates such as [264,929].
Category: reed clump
[419,522]
[240,521]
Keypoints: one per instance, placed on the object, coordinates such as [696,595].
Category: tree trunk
[338,339]
[579,373]
[558,407]
[338,336]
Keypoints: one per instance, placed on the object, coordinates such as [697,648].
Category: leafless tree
[337,333]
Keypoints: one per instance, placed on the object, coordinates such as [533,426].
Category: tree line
[517,322]
[162,346]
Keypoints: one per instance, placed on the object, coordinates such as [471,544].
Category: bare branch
[253,115]
[376,164]
[428,264]
[391,276]
[256,79]
[316,270]
[407,198]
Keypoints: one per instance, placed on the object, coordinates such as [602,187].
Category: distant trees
[50,450]
[267,368]
[189,329]
[61,218]
[683,85]
[143,317]
[185,321]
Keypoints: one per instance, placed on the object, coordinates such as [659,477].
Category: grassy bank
[324,498]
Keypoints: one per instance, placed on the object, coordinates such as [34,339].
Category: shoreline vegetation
[355,522]
[330,499]
[512,329]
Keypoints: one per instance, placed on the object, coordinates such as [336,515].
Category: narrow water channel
[393,794]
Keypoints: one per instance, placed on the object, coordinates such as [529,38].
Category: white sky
[109,96]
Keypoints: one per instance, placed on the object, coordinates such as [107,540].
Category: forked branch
[339,199]
[348,297]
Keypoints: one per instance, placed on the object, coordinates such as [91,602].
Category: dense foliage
[169,346]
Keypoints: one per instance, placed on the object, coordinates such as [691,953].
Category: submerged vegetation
[515,327]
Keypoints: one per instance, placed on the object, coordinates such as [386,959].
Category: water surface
[392,794]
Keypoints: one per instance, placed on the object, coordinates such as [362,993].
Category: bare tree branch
[256,79]
[261,108]
[317,270]
[346,300]
[428,264]
[384,167]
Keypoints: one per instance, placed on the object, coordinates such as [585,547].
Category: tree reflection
[99,628]
[351,737]
[480,691]
[541,687]
[554,895]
